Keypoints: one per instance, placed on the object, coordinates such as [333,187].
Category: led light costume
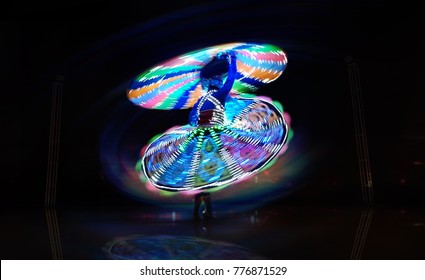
[228,137]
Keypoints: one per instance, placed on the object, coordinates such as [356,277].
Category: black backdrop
[98,46]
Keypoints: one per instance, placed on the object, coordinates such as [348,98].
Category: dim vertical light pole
[52,168]
[363,158]
[360,131]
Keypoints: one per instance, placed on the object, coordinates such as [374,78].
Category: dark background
[100,45]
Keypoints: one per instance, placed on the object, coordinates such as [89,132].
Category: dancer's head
[215,83]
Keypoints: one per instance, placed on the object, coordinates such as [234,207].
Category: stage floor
[273,232]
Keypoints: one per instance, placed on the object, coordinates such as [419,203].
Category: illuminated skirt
[200,157]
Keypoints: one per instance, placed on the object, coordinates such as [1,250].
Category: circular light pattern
[121,152]
[191,158]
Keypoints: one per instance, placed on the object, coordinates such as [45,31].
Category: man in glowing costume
[228,137]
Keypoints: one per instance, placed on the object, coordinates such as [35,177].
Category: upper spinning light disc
[177,83]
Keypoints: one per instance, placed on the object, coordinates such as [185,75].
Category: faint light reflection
[174,247]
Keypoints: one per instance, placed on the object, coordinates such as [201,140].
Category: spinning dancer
[228,137]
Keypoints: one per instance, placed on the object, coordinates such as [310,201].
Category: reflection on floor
[275,232]
[174,247]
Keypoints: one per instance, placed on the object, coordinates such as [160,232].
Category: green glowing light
[154,138]
[278,105]
[138,166]
[247,95]
[290,134]
[143,178]
[167,193]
